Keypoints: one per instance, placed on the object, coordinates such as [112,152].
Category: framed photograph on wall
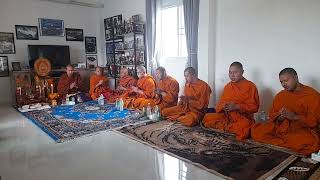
[27,32]
[91,45]
[7,43]
[16,66]
[4,68]
[74,34]
[51,27]
[91,61]
[108,23]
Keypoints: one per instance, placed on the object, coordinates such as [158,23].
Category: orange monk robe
[168,85]
[300,135]
[94,91]
[243,93]
[190,112]
[147,85]
[127,82]
[65,82]
[171,87]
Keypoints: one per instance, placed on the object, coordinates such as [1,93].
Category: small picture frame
[108,23]
[108,34]
[4,68]
[27,32]
[91,61]
[16,66]
[51,27]
[74,34]
[91,45]
[7,45]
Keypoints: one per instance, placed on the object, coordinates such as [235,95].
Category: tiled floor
[27,153]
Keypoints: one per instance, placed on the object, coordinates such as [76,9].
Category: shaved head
[161,73]
[69,66]
[69,70]
[124,72]
[236,72]
[191,71]
[288,70]
[190,75]
[237,64]
[99,71]
[289,79]
[141,68]
[141,71]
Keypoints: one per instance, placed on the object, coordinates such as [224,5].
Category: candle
[52,88]
[40,90]
[19,88]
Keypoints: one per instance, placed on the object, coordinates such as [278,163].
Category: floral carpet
[70,121]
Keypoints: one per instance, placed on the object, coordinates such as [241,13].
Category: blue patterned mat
[68,122]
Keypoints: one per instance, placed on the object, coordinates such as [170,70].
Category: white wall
[206,44]
[267,36]
[27,12]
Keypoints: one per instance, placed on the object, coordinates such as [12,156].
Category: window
[173,39]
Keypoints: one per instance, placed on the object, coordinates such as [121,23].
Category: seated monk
[98,83]
[136,95]
[193,104]
[125,83]
[69,83]
[234,111]
[166,94]
[294,117]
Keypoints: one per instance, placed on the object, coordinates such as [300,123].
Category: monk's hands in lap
[231,107]
[73,85]
[284,113]
[136,89]
[99,83]
[159,92]
[183,99]
[121,88]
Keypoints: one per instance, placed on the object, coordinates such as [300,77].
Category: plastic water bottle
[149,110]
[156,112]
[121,104]
[101,100]
[263,116]
[144,111]
[117,104]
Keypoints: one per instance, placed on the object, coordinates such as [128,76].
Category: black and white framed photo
[27,32]
[16,66]
[91,61]
[4,68]
[109,34]
[117,20]
[51,27]
[74,34]
[7,43]
[91,45]
[108,23]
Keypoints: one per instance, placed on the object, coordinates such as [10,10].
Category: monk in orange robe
[294,117]
[166,94]
[126,81]
[124,85]
[193,103]
[99,84]
[136,95]
[234,111]
[69,83]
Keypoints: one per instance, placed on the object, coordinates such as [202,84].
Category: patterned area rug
[68,122]
[216,152]
[300,169]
